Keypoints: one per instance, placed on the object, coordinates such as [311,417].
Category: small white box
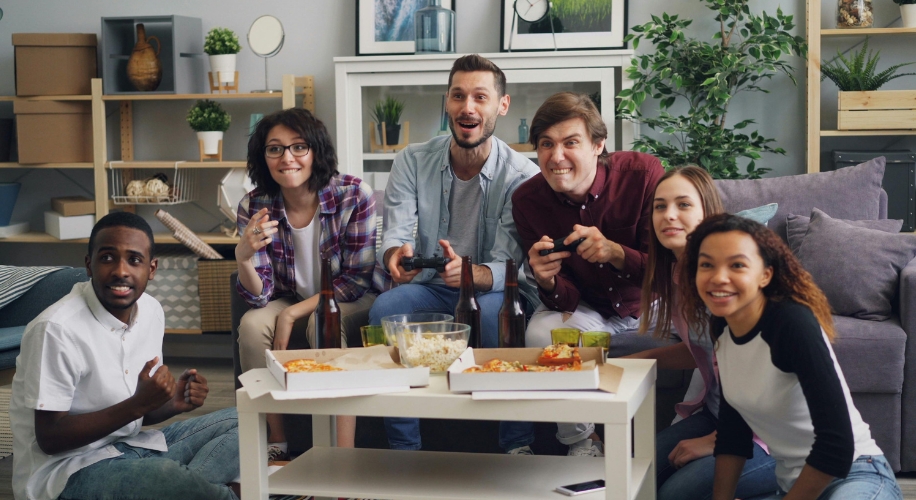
[389,373]
[68,228]
[585,379]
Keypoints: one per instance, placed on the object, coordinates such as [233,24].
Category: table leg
[324,430]
[644,443]
[253,459]
[617,462]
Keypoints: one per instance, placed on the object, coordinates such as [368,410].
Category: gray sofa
[877,357]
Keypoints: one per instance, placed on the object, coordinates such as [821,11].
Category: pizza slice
[559,354]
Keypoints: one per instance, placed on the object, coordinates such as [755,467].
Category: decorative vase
[392,133]
[211,141]
[9,191]
[144,69]
[908,13]
[854,14]
[523,132]
[435,29]
[224,65]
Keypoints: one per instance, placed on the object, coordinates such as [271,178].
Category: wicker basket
[215,294]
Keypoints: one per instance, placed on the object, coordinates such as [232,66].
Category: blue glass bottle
[523,132]
[435,27]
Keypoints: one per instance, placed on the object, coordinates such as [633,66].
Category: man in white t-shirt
[89,375]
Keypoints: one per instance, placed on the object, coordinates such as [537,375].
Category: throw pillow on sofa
[857,268]
[797,227]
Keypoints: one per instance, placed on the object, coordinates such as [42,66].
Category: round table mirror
[265,37]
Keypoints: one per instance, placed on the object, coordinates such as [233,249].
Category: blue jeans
[695,480]
[870,478]
[203,457]
[404,433]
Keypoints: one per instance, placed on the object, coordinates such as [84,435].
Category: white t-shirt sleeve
[53,365]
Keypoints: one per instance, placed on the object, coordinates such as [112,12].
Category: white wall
[316,32]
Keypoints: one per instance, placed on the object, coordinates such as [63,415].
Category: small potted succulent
[222,45]
[907,12]
[209,120]
[388,111]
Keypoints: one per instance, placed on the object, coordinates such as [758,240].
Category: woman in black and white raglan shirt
[779,375]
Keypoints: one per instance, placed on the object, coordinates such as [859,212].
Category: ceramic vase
[224,65]
[144,69]
[211,141]
[908,13]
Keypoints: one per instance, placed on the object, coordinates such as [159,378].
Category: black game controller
[558,246]
[421,262]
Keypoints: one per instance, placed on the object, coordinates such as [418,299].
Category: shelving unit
[101,163]
[421,81]
[815,34]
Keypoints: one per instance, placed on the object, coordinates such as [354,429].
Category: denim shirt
[418,194]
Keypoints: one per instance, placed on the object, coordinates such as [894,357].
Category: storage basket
[215,294]
[139,186]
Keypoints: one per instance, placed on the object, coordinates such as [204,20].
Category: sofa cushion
[857,268]
[8,358]
[871,354]
[797,227]
[852,193]
[761,214]
[11,337]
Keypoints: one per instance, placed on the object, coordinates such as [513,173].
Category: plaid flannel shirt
[348,229]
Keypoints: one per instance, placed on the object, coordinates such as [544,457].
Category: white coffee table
[327,471]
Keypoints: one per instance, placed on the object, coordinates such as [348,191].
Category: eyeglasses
[277,151]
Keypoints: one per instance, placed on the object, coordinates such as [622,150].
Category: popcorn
[433,351]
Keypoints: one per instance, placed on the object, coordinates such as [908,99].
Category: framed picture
[385,27]
[577,25]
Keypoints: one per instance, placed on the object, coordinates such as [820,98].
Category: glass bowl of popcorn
[435,345]
[391,324]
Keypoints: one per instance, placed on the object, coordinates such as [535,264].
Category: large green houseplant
[694,82]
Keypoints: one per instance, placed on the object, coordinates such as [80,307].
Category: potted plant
[209,120]
[388,111]
[861,105]
[704,76]
[222,45]
[907,12]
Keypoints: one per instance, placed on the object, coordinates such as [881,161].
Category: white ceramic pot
[224,65]
[908,13]
[211,141]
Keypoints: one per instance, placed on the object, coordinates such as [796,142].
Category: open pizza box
[369,367]
[595,373]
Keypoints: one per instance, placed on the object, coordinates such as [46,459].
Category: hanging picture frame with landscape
[385,27]
[578,25]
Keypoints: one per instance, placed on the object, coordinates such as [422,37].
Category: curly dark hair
[658,280]
[304,123]
[790,280]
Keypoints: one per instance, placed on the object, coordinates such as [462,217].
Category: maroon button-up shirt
[619,204]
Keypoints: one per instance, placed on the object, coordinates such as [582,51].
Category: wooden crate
[877,110]
[215,294]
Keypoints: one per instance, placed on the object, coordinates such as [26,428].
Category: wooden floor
[222,395]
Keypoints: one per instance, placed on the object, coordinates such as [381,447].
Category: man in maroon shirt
[604,200]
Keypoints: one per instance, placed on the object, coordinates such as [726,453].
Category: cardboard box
[458,381]
[68,228]
[68,206]
[54,131]
[388,371]
[55,63]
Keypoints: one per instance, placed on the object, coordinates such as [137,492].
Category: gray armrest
[908,302]
[908,398]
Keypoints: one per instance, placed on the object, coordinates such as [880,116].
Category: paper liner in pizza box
[376,366]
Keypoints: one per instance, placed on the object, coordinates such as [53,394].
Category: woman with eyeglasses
[301,210]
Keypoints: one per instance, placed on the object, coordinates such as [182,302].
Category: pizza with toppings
[309,366]
[553,363]
[559,354]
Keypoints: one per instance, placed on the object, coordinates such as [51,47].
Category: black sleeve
[733,436]
[798,346]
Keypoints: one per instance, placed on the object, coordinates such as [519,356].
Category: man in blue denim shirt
[457,192]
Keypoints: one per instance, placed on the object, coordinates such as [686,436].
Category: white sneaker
[521,450]
[586,448]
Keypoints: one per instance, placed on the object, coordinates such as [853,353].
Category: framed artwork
[385,27]
[577,25]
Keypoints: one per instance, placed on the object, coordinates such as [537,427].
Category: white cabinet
[421,80]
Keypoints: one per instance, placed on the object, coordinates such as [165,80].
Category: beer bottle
[468,311]
[511,314]
[327,315]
